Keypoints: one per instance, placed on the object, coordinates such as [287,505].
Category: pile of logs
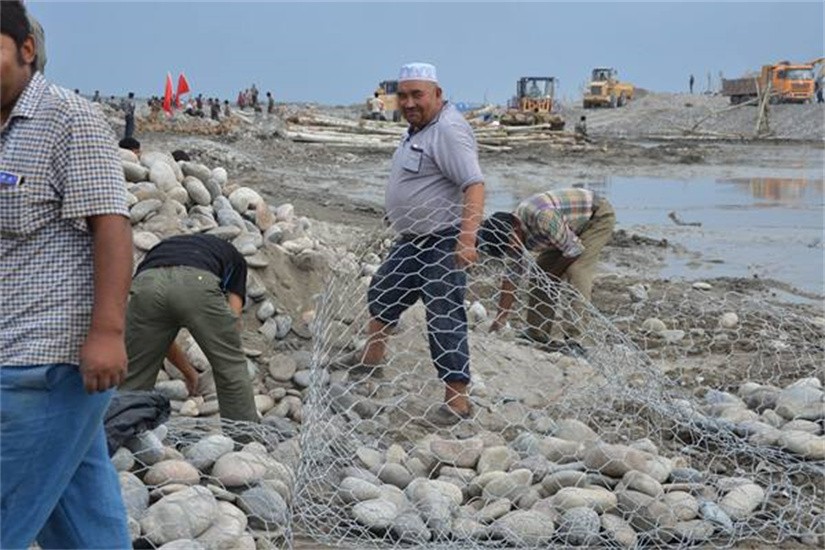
[370,134]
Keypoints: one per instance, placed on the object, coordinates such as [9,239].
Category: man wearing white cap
[434,202]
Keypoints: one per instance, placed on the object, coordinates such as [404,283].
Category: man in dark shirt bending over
[197,282]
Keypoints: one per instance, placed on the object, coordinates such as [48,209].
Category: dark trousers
[161,302]
[424,267]
[130,126]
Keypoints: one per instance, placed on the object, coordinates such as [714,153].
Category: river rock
[353,489]
[510,486]
[803,444]
[408,527]
[134,172]
[559,450]
[244,198]
[579,527]
[264,507]
[524,528]
[599,499]
[494,510]
[617,460]
[641,482]
[462,453]
[237,469]
[146,447]
[227,528]
[183,544]
[801,400]
[728,320]
[653,325]
[197,191]
[618,531]
[135,494]
[497,458]
[701,285]
[143,209]
[123,460]
[395,474]
[711,512]
[574,430]
[181,515]
[375,513]
[694,531]
[742,500]
[370,458]
[684,506]
[553,483]
[162,175]
[172,471]
[203,454]
[195,170]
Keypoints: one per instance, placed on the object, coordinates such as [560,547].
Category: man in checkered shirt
[567,228]
[66,262]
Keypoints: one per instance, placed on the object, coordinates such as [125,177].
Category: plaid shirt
[68,156]
[554,219]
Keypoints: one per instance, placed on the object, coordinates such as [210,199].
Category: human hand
[465,254]
[103,360]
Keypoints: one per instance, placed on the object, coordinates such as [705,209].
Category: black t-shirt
[205,252]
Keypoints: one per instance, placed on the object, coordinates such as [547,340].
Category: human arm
[506,298]
[236,305]
[190,375]
[103,360]
[471,216]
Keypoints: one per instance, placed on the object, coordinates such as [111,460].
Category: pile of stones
[566,487]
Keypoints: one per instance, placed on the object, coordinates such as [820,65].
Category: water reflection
[782,190]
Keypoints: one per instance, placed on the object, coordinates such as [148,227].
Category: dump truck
[605,89]
[533,103]
[787,83]
[387,91]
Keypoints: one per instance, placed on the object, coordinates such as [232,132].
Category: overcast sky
[335,53]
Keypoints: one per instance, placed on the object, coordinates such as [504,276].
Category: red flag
[183,88]
[167,95]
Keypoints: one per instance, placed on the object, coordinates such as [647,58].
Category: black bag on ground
[131,413]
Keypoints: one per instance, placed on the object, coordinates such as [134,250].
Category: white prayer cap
[417,71]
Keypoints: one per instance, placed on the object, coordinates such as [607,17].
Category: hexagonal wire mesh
[586,443]
[211,483]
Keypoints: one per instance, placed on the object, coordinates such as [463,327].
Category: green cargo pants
[579,275]
[161,302]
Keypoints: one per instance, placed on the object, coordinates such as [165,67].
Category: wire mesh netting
[673,417]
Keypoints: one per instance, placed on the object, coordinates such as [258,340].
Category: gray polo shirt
[58,165]
[430,171]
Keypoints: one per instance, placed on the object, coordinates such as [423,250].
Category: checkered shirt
[68,156]
[554,219]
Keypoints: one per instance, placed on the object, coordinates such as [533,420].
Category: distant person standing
[377,108]
[226,111]
[580,129]
[96,97]
[270,103]
[820,84]
[128,107]
[215,108]
[690,83]
[66,259]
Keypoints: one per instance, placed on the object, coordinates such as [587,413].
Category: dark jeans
[130,126]
[424,267]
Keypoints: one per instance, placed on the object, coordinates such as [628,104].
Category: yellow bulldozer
[605,90]
[533,103]
[387,92]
